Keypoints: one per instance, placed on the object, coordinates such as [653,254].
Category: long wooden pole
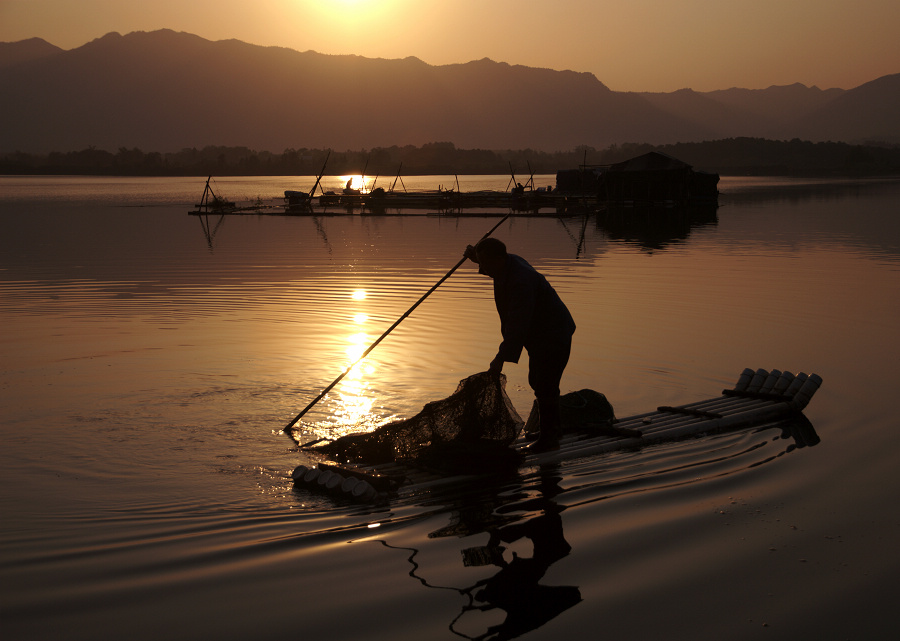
[397,178]
[319,177]
[383,336]
[363,188]
[513,177]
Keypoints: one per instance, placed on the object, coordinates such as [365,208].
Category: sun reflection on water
[353,406]
[358,344]
[357,182]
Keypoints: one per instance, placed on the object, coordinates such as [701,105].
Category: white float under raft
[759,397]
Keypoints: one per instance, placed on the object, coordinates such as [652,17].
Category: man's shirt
[532,315]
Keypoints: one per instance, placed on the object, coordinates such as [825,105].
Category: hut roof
[651,161]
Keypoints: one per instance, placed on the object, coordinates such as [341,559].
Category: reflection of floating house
[650,179]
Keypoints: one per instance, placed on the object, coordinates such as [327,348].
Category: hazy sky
[632,45]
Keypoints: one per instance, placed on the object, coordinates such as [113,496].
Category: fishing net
[475,423]
[581,411]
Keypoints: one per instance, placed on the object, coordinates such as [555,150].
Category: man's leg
[545,369]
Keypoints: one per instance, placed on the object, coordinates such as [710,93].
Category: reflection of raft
[758,397]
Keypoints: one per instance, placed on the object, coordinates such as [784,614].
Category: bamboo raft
[757,398]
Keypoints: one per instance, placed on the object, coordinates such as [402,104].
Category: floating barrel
[783,382]
[805,394]
[334,482]
[744,380]
[796,384]
[769,384]
[331,481]
[363,490]
[757,381]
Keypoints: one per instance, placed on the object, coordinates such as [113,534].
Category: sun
[354,10]
[351,5]
[333,23]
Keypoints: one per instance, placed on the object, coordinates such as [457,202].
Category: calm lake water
[150,359]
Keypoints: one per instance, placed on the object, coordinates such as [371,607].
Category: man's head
[491,256]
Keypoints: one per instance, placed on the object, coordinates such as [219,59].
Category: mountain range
[166,90]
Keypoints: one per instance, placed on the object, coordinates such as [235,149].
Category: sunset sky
[639,45]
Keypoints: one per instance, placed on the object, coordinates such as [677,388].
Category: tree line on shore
[731,156]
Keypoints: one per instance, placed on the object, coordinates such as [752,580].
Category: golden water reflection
[358,344]
[355,182]
[352,406]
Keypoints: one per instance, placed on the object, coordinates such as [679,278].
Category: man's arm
[516,319]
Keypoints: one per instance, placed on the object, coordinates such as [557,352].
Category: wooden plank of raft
[688,411]
[766,396]
[724,406]
[667,433]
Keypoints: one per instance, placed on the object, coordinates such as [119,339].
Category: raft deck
[758,397]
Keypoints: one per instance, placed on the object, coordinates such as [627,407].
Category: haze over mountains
[164,91]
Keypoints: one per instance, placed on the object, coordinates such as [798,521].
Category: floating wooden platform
[759,397]
[440,199]
[445,202]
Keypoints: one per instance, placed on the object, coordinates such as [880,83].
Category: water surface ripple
[150,360]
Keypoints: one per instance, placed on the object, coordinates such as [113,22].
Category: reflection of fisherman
[516,588]
[532,316]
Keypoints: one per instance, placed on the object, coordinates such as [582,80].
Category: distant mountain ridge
[14,53]
[165,91]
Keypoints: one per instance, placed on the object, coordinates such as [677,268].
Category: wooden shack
[657,179]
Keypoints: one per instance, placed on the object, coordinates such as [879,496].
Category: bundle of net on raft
[583,411]
[476,423]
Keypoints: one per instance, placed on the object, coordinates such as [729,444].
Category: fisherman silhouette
[534,318]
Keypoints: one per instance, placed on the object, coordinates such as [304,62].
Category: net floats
[328,480]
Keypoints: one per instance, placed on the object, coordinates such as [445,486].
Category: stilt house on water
[652,179]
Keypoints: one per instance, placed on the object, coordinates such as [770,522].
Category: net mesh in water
[477,419]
